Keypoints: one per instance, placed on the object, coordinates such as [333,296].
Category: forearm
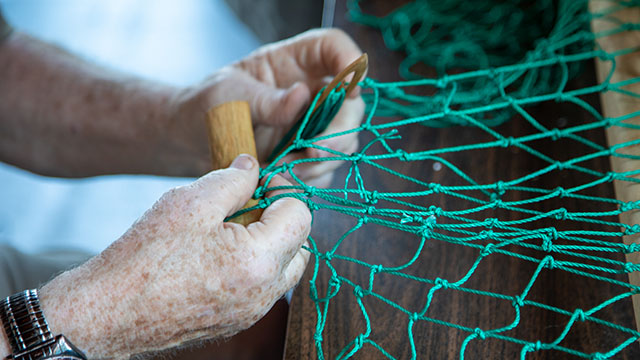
[60,115]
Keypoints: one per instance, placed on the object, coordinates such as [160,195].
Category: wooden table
[502,274]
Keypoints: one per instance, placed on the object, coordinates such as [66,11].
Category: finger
[322,52]
[295,269]
[223,192]
[277,181]
[269,104]
[283,228]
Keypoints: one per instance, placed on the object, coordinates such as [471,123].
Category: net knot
[357,157]
[560,214]
[500,188]
[372,197]
[611,122]
[631,267]
[312,205]
[259,192]
[487,234]
[442,283]
[605,56]
[414,317]
[334,282]
[517,301]
[491,222]
[549,262]
[613,176]
[560,165]
[487,250]
[368,82]
[598,356]
[299,144]
[311,191]
[328,256]
[435,187]
[402,155]
[497,203]
[317,337]
[579,314]
[359,292]
[631,205]
[480,333]
[442,81]
[507,142]
[556,134]
[286,166]
[435,211]
[359,341]
[537,345]
[370,210]
[553,233]
[377,269]
[561,192]
[632,248]
[630,230]
[547,244]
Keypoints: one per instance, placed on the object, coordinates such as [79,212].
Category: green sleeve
[5,29]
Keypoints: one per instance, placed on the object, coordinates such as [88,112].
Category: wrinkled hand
[180,273]
[279,81]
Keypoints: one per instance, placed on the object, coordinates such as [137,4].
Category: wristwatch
[28,332]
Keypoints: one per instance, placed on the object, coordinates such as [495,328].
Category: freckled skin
[62,116]
[172,278]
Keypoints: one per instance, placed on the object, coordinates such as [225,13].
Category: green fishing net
[491,64]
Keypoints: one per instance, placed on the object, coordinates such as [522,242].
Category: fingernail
[243,162]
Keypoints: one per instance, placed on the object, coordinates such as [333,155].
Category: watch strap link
[25,325]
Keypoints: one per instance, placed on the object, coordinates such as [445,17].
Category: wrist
[4,345]
[74,306]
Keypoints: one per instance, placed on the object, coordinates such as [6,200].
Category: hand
[180,273]
[278,81]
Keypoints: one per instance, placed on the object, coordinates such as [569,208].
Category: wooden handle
[231,134]
[615,104]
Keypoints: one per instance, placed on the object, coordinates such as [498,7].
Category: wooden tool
[230,134]
[358,67]
[615,104]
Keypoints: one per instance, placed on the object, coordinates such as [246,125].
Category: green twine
[312,125]
[494,59]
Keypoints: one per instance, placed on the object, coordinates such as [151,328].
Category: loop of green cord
[494,60]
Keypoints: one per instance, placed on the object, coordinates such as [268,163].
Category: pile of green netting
[494,61]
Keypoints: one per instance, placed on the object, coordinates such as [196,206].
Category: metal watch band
[28,332]
[24,322]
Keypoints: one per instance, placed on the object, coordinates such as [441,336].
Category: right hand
[181,273]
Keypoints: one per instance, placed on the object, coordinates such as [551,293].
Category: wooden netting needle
[230,134]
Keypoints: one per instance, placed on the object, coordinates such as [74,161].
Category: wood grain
[230,134]
[505,275]
[615,104]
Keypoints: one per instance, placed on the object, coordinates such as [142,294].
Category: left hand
[278,80]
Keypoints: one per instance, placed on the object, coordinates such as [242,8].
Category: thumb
[220,193]
[274,106]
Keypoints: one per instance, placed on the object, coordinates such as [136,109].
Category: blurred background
[174,42]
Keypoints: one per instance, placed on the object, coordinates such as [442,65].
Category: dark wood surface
[501,274]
